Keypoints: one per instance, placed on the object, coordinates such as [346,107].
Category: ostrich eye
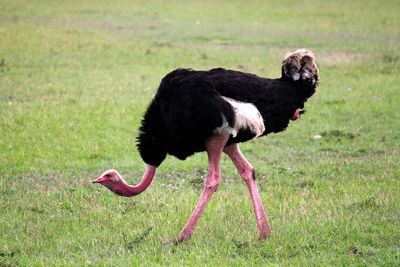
[108,175]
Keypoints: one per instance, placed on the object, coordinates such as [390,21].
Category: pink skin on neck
[296,115]
[123,189]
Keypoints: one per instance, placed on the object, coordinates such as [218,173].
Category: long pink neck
[125,190]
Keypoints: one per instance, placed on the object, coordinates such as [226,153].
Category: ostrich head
[110,179]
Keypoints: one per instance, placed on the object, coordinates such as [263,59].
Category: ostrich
[214,111]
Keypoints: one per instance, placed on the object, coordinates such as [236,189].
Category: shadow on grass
[136,241]
[369,203]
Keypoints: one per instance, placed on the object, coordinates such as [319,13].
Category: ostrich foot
[177,240]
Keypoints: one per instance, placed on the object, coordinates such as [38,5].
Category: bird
[214,111]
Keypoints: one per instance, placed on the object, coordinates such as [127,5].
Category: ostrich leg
[247,172]
[214,146]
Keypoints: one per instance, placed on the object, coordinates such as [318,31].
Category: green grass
[75,80]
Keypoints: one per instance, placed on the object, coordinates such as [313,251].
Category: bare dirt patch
[341,57]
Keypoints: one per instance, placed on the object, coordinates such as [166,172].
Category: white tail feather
[247,116]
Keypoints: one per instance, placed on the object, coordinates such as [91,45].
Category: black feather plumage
[188,106]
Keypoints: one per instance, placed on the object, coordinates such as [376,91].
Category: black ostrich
[213,111]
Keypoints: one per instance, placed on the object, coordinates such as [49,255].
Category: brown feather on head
[300,65]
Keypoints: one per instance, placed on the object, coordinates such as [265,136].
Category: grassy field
[77,76]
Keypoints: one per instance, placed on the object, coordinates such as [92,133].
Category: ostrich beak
[99,180]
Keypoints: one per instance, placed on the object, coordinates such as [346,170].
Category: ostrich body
[214,111]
